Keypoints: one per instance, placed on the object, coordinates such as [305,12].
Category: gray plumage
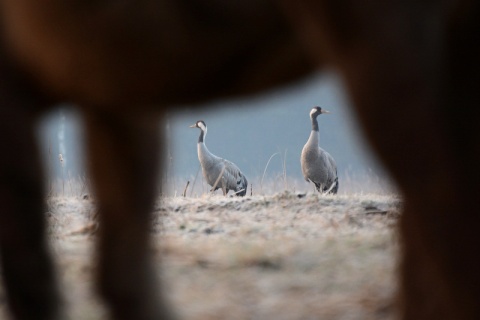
[219,172]
[318,166]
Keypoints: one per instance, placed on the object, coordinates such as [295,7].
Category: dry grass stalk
[218,180]
[265,170]
[185,190]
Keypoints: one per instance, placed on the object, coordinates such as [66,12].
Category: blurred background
[262,134]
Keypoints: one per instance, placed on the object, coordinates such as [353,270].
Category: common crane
[124,64]
[219,172]
[318,166]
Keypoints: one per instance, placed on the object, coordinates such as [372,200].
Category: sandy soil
[284,256]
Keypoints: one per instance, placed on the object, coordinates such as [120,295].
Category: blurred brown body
[411,69]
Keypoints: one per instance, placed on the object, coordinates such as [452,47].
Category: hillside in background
[247,131]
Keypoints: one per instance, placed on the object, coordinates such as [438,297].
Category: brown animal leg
[123,154]
[442,223]
[427,135]
[25,262]
[413,72]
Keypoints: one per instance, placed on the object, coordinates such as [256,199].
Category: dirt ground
[283,256]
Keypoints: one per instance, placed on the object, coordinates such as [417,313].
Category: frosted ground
[286,255]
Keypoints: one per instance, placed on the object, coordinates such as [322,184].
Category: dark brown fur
[411,68]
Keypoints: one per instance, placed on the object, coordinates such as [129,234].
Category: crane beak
[325,111]
[193,125]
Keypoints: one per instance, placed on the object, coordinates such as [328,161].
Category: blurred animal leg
[123,154]
[443,223]
[25,262]
[439,228]
[412,71]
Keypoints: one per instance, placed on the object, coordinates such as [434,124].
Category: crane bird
[218,172]
[318,166]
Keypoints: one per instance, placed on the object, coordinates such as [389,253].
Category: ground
[282,256]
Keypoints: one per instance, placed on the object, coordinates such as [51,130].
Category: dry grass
[282,256]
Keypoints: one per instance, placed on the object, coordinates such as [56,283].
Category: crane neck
[314,139]
[314,124]
[202,148]
[204,155]
[203,134]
